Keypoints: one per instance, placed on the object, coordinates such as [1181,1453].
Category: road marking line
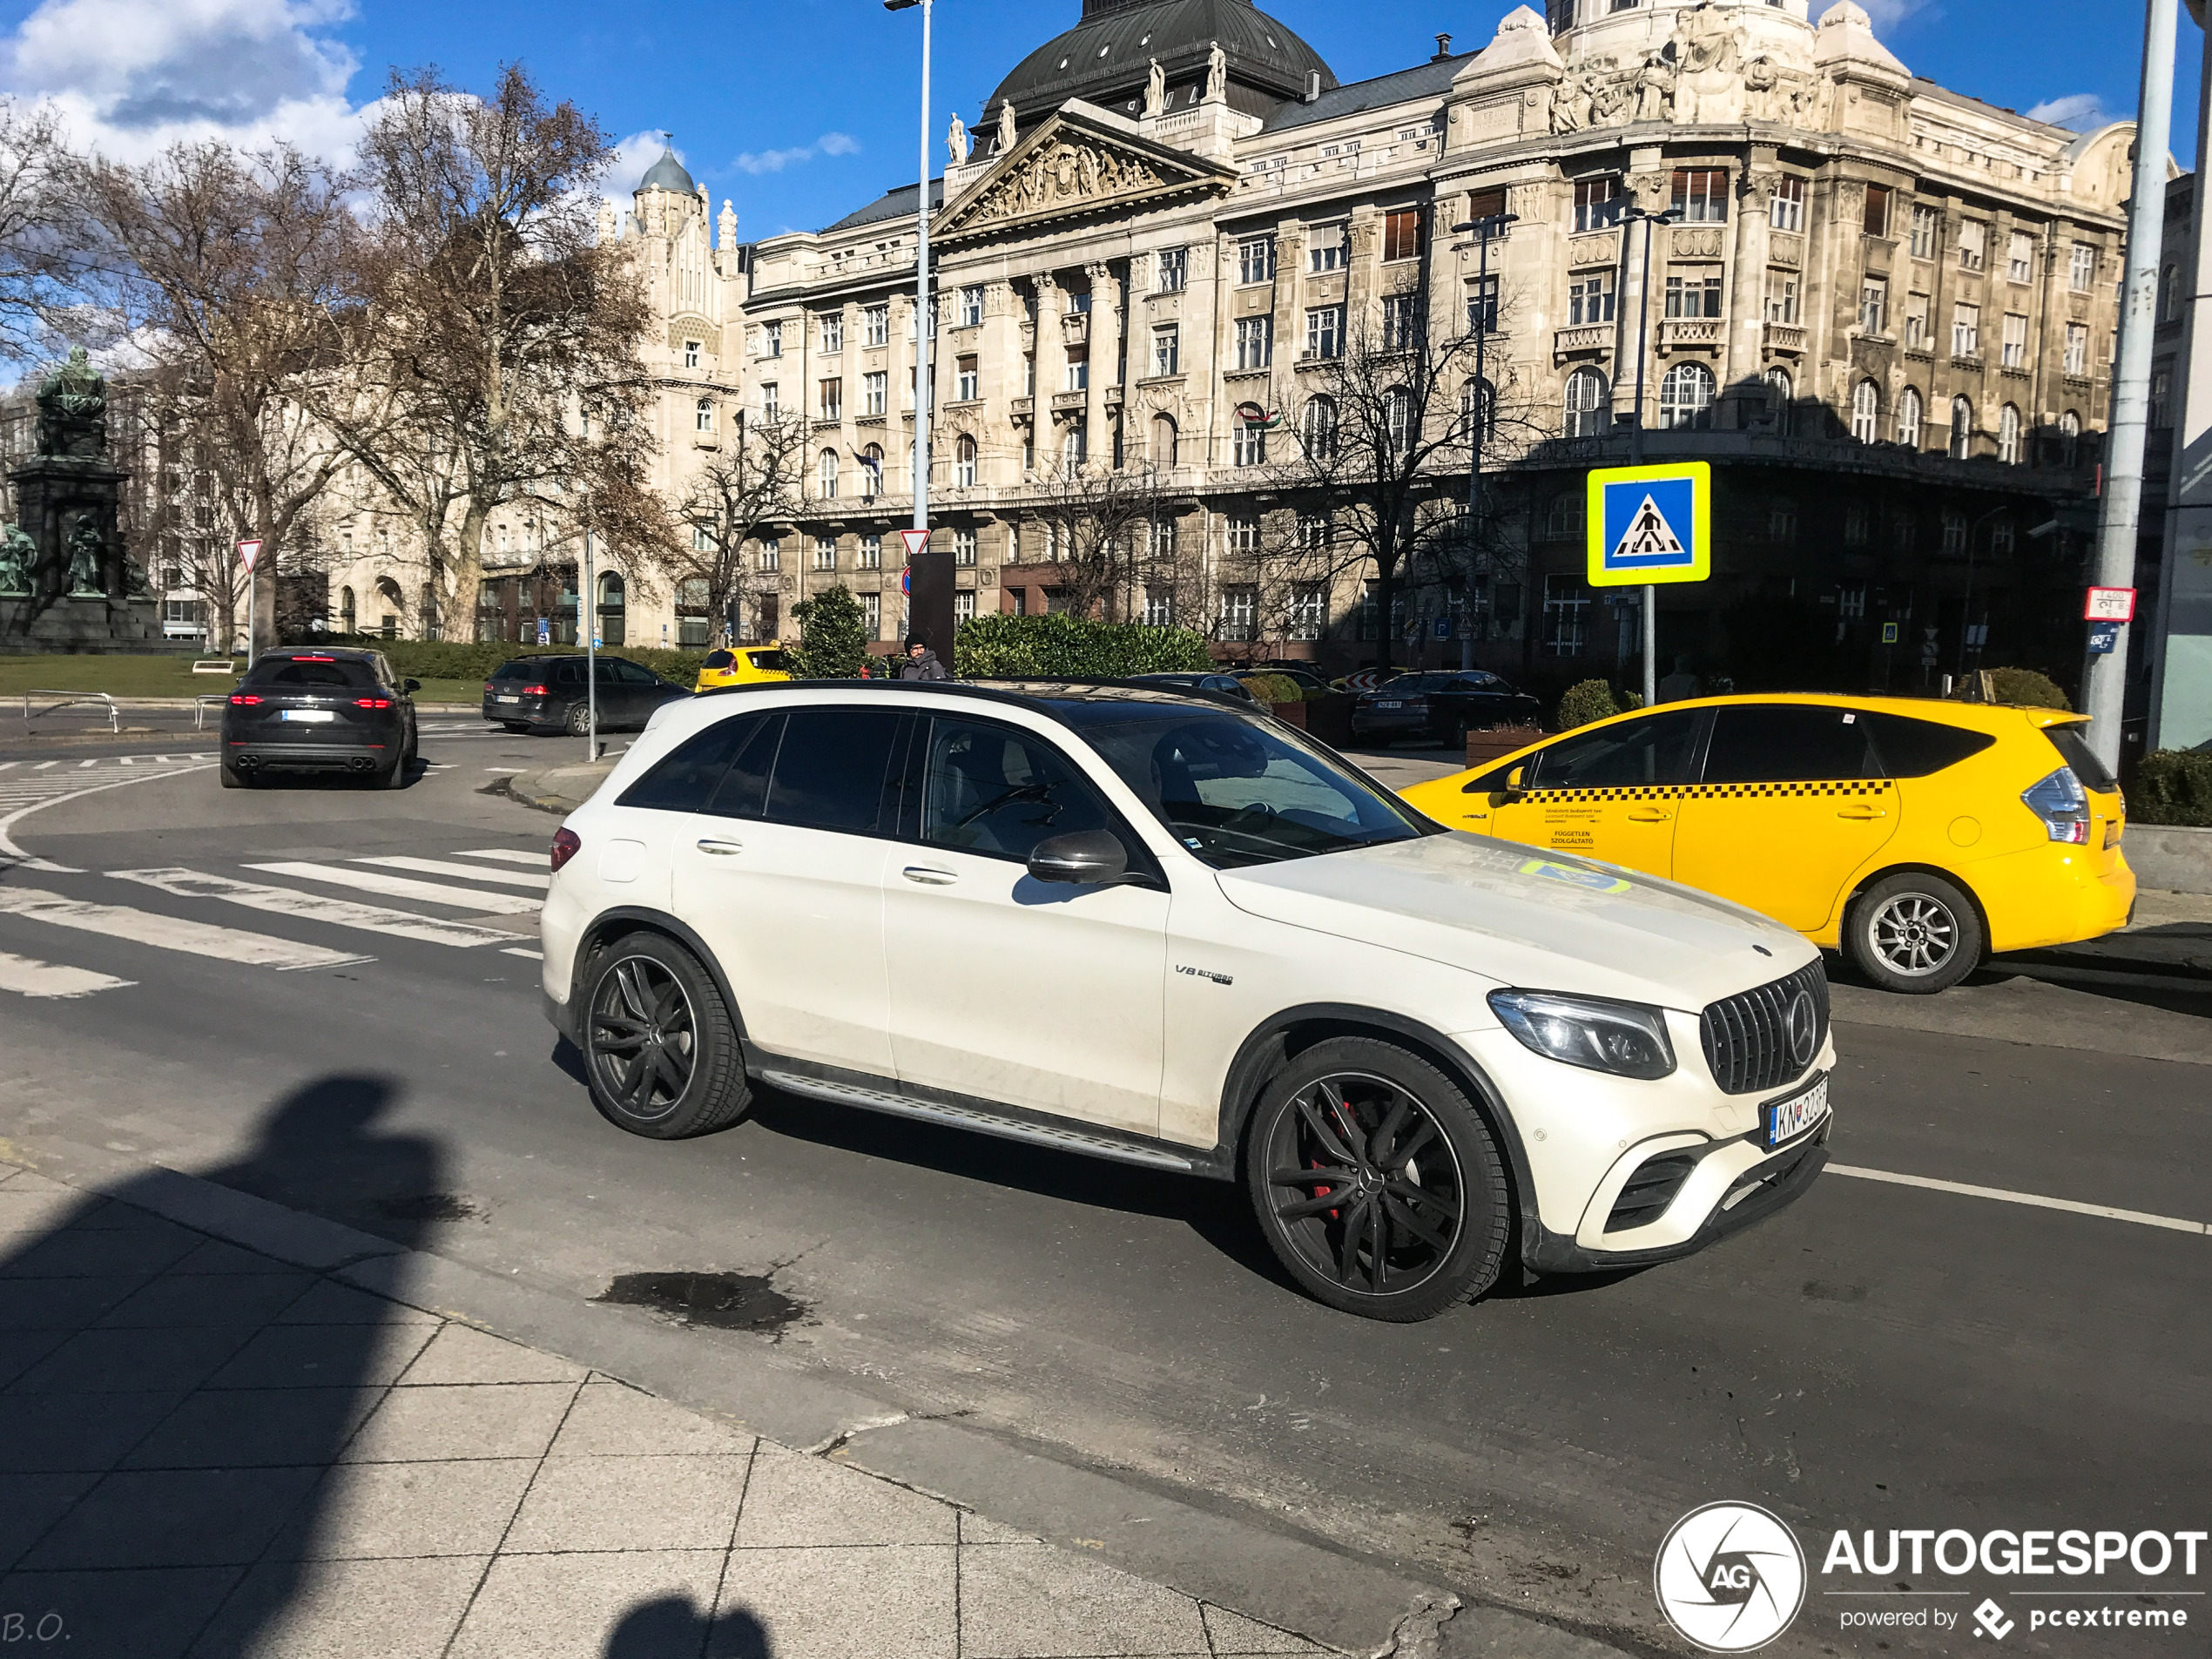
[312,907]
[170,933]
[466,872]
[82,765]
[2141,1219]
[480,902]
[504,854]
[9,852]
[519,950]
[27,976]
[43,765]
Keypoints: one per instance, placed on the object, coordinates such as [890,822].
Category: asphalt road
[1881,1355]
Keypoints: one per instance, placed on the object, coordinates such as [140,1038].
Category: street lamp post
[930,579]
[1635,420]
[1480,324]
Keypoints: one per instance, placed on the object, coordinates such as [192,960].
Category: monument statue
[18,558]
[1217,74]
[1156,89]
[72,410]
[1006,127]
[956,141]
[86,545]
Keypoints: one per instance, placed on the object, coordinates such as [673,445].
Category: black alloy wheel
[661,1052]
[1377,1183]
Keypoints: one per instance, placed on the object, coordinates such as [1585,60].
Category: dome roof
[668,173]
[1105,57]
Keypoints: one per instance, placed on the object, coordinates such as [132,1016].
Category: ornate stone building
[1885,312]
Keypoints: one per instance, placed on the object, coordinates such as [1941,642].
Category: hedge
[2026,687]
[1585,701]
[1067,647]
[2172,787]
[454,659]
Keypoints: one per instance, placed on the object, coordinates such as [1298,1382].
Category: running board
[1010,1128]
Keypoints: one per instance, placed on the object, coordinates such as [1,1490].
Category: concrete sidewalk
[212,1451]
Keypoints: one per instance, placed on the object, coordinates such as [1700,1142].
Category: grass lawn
[161,676]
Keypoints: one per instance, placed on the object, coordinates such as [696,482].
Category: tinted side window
[685,781]
[520,669]
[744,792]
[829,771]
[569,674]
[766,660]
[718,659]
[993,790]
[1654,750]
[1788,743]
[635,673]
[1913,748]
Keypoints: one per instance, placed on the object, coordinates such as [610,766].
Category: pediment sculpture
[1705,73]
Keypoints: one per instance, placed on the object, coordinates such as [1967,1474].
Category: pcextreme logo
[1730,1577]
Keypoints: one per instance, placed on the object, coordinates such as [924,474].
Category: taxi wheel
[1914,932]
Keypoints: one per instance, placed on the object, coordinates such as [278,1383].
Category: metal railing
[199,707]
[67,698]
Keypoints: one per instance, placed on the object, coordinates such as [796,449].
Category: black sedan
[319,711]
[1227,684]
[550,694]
[1440,708]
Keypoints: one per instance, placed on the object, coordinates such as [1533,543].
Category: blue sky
[801,109]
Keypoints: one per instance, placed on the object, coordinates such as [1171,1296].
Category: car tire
[1914,932]
[577,722]
[233,779]
[1443,1216]
[647,1000]
[394,776]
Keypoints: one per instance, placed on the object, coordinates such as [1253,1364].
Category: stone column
[1104,348]
[1052,368]
[1743,352]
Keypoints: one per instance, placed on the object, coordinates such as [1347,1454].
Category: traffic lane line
[538,879]
[480,902]
[171,932]
[11,852]
[2036,1200]
[312,907]
[28,976]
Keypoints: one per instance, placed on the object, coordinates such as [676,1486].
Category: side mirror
[1516,783]
[410,685]
[1087,859]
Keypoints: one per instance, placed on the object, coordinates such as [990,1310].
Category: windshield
[1238,790]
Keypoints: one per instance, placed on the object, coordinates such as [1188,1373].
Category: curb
[1284,1578]
[559,789]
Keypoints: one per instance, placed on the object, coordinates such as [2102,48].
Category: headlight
[1624,1038]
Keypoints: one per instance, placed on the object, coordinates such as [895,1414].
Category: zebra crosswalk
[477,885]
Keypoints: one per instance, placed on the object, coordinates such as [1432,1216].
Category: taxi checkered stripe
[1712,792]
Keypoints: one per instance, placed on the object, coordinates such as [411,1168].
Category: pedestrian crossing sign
[1649,524]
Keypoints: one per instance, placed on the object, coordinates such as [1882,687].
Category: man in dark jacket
[921,663]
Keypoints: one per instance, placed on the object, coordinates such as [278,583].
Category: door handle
[928,877]
[724,848]
[1862,812]
[1650,815]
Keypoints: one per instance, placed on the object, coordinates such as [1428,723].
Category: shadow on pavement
[171,1401]
[672,1628]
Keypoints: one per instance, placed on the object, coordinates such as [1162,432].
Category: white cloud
[830,144]
[632,157]
[132,76]
[1883,14]
[2079,111]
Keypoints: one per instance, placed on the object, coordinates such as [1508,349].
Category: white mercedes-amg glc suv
[1161,928]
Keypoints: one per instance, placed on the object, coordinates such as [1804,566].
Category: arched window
[1962,428]
[872,471]
[1908,417]
[1398,417]
[1319,429]
[346,612]
[829,475]
[1686,397]
[964,459]
[614,595]
[2070,438]
[1248,443]
[703,415]
[1484,395]
[2008,435]
[1589,411]
[1074,449]
[1866,411]
[1779,390]
[1165,434]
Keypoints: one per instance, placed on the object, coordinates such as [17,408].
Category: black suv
[1441,707]
[548,694]
[309,710]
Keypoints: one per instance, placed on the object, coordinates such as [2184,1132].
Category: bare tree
[40,226]
[503,368]
[227,270]
[1100,521]
[752,482]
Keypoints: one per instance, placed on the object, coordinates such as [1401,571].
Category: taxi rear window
[2069,742]
[718,659]
[1912,748]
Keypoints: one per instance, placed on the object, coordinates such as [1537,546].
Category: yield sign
[1649,536]
[247,552]
[916,540]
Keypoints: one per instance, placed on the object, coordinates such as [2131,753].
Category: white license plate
[510,699]
[1784,1120]
[310,717]
[1390,705]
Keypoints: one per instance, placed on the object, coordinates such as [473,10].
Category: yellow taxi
[742,666]
[1915,837]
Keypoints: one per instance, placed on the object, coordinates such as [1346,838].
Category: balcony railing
[1785,336]
[1692,331]
[1590,337]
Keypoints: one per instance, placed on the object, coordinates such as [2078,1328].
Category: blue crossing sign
[1650,524]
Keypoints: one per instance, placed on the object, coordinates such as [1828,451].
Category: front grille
[1650,1190]
[1747,1035]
